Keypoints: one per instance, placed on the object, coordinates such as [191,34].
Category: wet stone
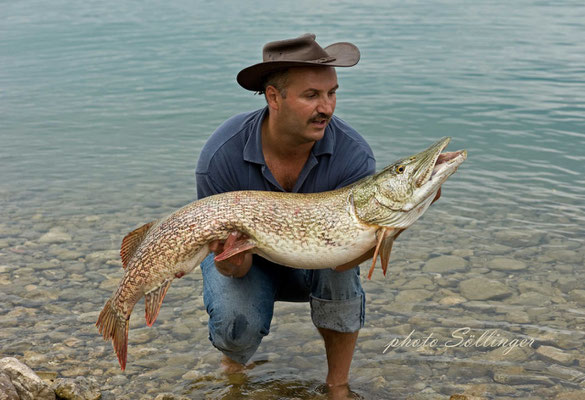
[7,389]
[444,264]
[556,355]
[578,296]
[413,296]
[539,287]
[507,379]
[565,256]
[452,300]
[518,317]
[484,289]
[566,284]
[506,264]
[419,282]
[530,299]
[80,388]
[102,256]
[28,385]
[55,235]
[513,238]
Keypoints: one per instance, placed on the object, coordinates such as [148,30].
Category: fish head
[402,191]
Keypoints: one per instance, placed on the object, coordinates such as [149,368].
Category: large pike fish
[317,230]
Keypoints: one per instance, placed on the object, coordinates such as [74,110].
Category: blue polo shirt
[232,159]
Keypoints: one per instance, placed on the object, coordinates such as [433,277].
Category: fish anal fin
[153,300]
[235,243]
[114,326]
[131,242]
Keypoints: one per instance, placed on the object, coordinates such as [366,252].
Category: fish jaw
[444,165]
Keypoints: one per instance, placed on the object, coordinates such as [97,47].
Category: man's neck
[285,158]
[283,147]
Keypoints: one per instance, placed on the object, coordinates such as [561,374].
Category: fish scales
[316,230]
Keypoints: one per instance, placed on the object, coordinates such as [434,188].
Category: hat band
[324,60]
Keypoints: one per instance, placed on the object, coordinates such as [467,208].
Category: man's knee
[338,300]
[238,336]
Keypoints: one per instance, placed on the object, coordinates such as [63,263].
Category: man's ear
[273,97]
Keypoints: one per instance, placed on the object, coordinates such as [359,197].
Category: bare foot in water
[230,366]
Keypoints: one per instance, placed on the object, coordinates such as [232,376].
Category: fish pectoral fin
[380,233]
[153,300]
[386,249]
[385,240]
[131,242]
[236,243]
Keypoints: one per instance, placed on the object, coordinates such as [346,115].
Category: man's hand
[236,266]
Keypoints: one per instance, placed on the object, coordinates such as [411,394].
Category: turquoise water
[104,107]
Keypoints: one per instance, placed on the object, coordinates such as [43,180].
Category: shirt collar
[253,146]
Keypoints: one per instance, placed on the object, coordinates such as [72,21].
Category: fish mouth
[434,167]
[447,163]
[433,164]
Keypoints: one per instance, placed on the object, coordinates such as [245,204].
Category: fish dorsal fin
[132,241]
[153,300]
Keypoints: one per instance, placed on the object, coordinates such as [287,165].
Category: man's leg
[240,310]
[338,311]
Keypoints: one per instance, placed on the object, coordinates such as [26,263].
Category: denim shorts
[240,309]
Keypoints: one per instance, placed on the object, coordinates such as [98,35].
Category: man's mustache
[320,116]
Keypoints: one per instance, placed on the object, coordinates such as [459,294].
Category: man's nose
[326,105]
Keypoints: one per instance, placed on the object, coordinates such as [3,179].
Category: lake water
[104,107]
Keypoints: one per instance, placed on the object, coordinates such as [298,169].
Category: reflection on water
[104,109]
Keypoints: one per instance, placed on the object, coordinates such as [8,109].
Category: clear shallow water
[105,106]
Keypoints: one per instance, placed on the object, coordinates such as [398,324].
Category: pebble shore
[448,279]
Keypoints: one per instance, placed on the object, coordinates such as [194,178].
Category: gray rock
[518,238]
[530,299]
[484,289]
[578,296]
[413,296]
[556,355]
[452,300]
[538,287]
[169,396]
[103,256]
[511,379]
[27,384]
[420,282]
[506,264]
[55,235]
[444,264]
[80,388]
[7,389]
[566,256]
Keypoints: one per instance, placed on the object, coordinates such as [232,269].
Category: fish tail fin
[112,325]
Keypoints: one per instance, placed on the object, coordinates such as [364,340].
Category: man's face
[309,102]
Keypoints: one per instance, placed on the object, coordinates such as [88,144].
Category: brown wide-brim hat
[299,52]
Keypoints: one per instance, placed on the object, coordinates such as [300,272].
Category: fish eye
[399,169]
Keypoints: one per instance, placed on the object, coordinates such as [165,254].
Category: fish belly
[311,254]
